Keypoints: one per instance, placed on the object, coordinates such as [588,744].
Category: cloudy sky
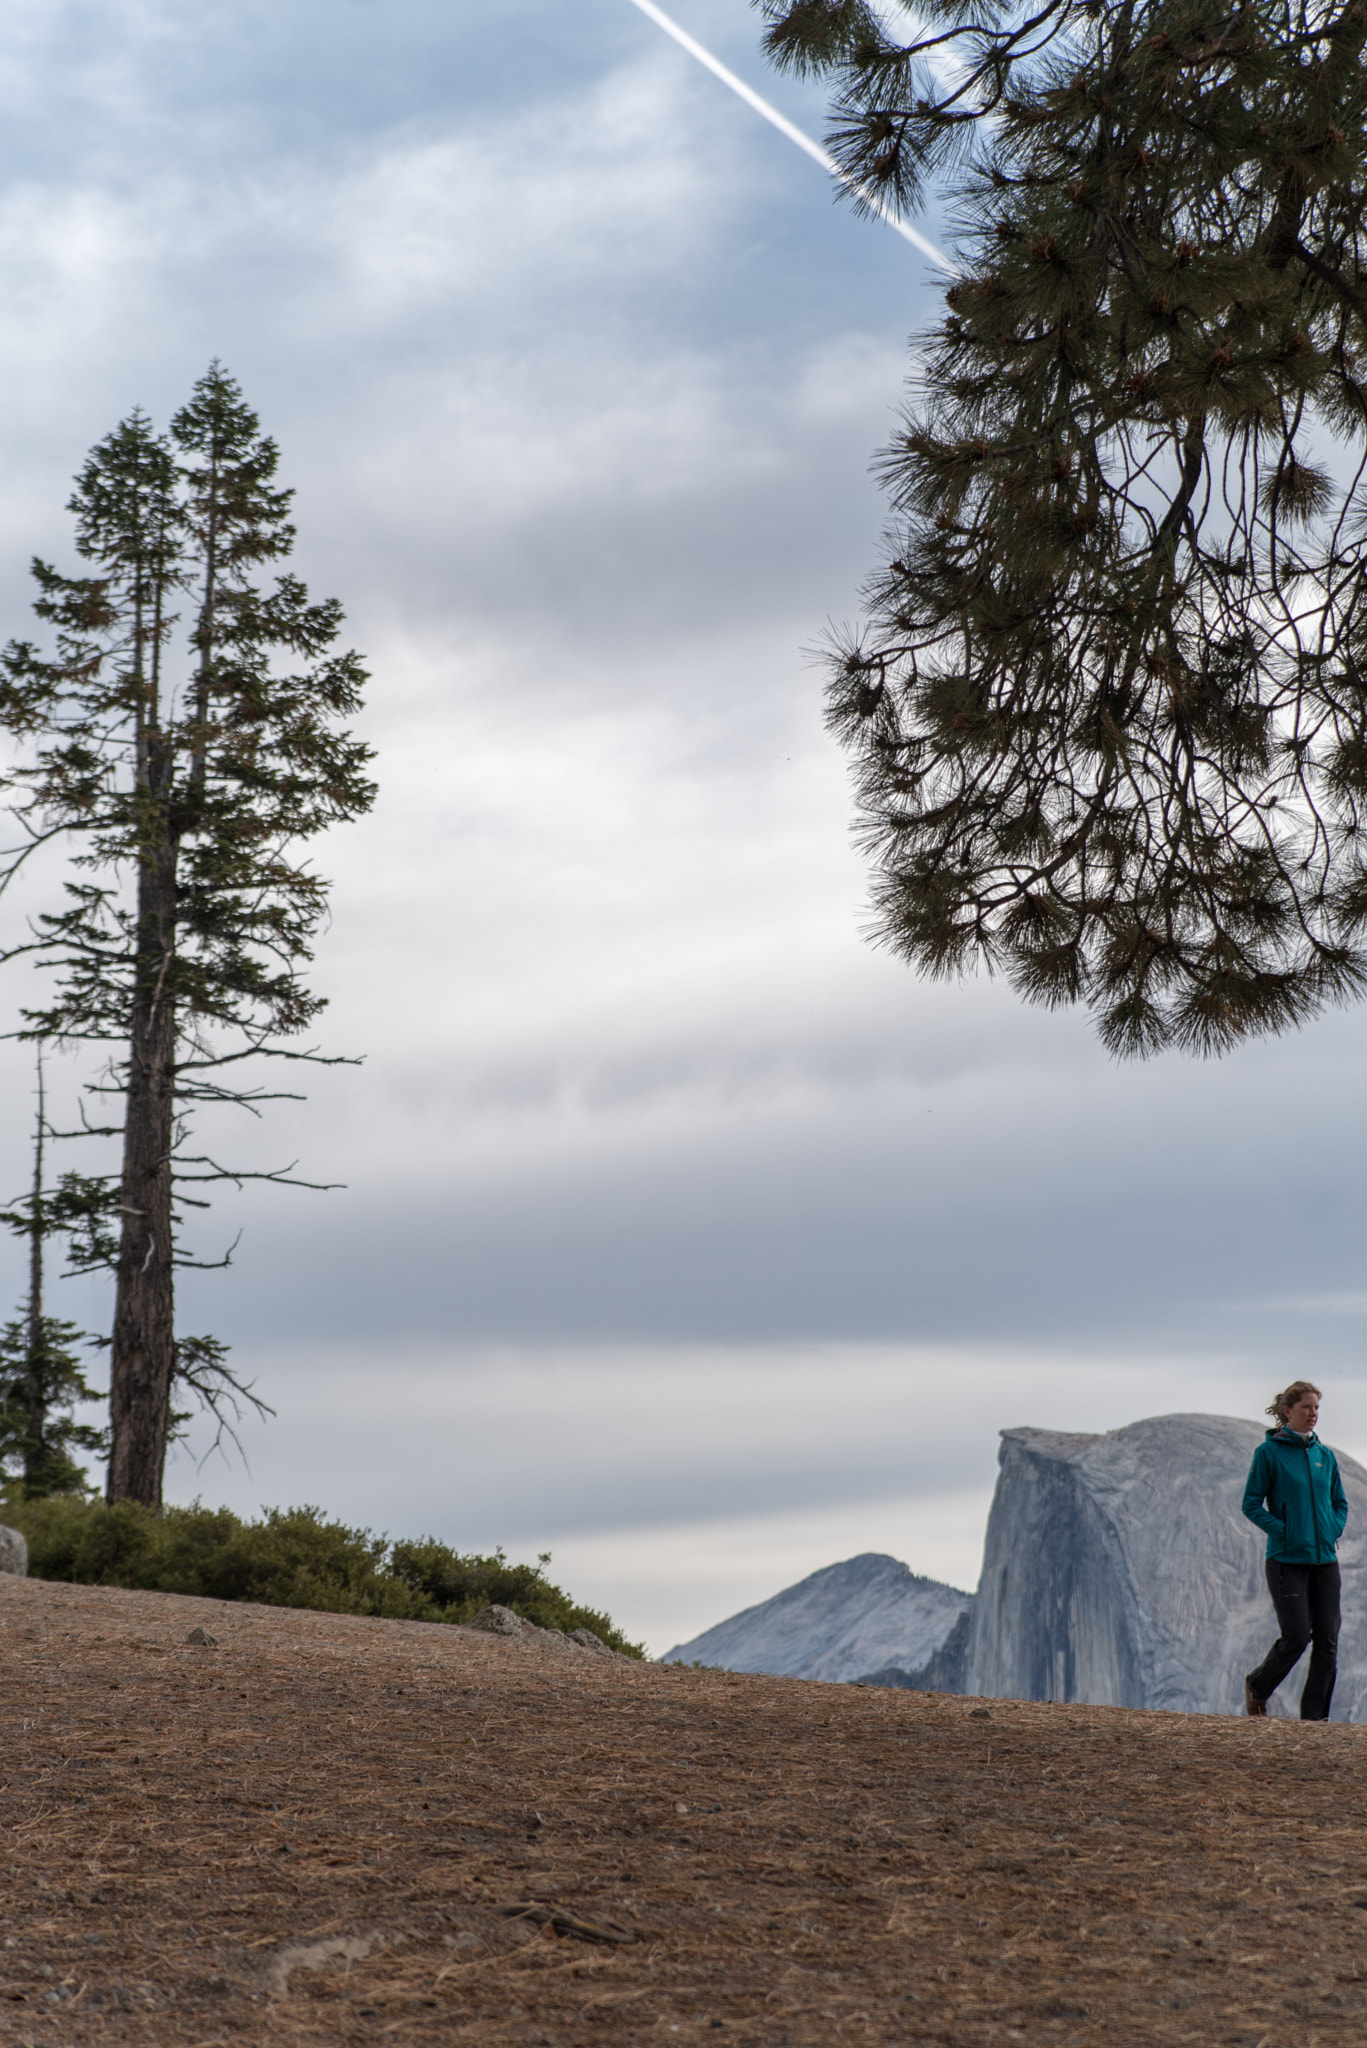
[684,1235]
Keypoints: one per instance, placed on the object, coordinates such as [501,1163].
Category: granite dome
[1119,1570]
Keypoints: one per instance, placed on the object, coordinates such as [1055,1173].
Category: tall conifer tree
[186,739]
[1109,708]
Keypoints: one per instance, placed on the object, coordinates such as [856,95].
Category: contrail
[785,127]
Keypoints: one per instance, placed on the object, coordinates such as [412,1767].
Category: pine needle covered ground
[333,1829]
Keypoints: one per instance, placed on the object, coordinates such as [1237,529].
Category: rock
[944,1671]
[201,1639]
[13,1553]
[316,1955]
[864,1615]
[587,1640]
[501,1621]
[1119,1570]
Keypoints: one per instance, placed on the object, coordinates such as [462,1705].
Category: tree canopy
[1108,707]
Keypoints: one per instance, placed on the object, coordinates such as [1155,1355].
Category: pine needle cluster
[1108,707]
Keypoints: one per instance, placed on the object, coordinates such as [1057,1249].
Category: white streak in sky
[786,127]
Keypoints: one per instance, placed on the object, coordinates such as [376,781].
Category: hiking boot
[1252,1704]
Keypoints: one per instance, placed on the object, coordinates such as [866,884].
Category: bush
[460,1586]
[292,1557]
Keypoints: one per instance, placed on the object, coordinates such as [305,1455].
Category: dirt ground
[334,1830]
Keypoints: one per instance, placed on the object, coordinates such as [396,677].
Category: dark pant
[1306,1597]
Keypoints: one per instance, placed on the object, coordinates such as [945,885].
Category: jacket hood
[1280,1434]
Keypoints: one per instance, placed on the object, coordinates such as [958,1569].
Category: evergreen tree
[41,1379]
[185,770]
[1109,707]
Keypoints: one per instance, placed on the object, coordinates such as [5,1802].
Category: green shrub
[292,1557]
[460,1586]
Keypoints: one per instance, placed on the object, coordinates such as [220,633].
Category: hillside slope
[333,1830]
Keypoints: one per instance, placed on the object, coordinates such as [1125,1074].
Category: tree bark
[144,1307]
[37,1407]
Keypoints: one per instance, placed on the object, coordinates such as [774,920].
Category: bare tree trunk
[144,1307]
[36,1420]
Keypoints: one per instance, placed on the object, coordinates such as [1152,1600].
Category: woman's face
[1303,1413]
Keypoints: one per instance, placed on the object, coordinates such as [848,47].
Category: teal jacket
[1295,1494]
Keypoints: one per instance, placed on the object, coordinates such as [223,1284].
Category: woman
[1295,1494]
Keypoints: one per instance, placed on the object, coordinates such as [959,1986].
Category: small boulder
[13,1553]
[587,1640]
[500,1621]
[201,1639]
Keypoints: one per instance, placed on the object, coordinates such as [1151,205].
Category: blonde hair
[1288,1397]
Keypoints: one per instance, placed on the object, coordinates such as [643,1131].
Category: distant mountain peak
[861,1615]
